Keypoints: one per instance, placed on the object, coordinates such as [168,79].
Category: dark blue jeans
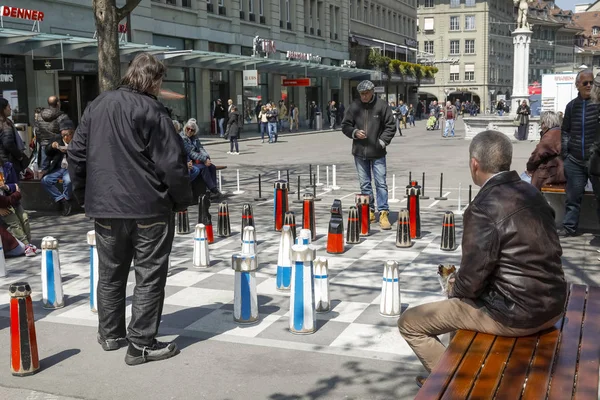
[378,166]
[148,242]
[209,175]
[577,177]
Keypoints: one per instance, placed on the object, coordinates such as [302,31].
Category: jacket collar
[130,89]
[501,179]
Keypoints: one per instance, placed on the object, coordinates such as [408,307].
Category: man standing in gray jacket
[369,122]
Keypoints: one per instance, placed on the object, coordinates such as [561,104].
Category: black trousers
[149,242]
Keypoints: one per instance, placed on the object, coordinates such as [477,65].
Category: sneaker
[237,153]
[137,355]
[384,221]
[30,250]
[111,344]
[216,194]
[372,216]
[229,152]
[66,207]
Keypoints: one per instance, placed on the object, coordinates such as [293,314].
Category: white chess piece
[303,317]
[201,256]
[245,298]
[284,259]
[390,305]
[321,270]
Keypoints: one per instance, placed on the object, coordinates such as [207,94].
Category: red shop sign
[22,13]
[296,82]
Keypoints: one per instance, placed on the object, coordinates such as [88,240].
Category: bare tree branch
[124,11]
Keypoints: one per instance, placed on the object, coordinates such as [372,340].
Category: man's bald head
[53,101]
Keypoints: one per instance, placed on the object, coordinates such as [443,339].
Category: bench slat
[512,382]
[540,371]
[438,380]
[587,375]
[462,381]
[561,386]
[489,377]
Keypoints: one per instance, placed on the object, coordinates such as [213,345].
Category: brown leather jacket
[546,163]
[511,261]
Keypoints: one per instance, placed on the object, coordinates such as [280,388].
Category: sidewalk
[250,132]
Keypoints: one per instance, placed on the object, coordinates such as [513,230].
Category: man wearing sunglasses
[578,130]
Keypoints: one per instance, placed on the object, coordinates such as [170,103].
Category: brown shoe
[384,221]
[372,216]
[420,380]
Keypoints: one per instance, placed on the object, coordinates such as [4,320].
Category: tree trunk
[107,17]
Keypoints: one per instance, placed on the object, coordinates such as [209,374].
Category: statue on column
[523,8]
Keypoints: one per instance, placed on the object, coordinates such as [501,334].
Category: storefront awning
[370,42]
[48,45]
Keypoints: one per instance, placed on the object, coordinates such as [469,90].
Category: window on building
[261,7]
[455,47]
[428,46]
[454,77]
[596,30]
[251,6]
[186,3]
[454,3]
[429,3]
[469,22]
[469,72]
[428,24]
[455,23]
[469,46]
[288,17]
[172,2]
[470,3]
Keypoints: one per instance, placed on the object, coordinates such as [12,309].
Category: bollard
[327,184]
[245,297]
[409,181]
[321,272]
[318,181]
[423,197]
[284,260]
[334,186]
[353,232]
[220,183]
[237,176]
[298,192]
[315,191]
[390,305]
[201,257]
[393,199]
[308,215]
[205,218]
[278,175]
[91,239]
[364,213]
[403,238]
[24,359]
[223,221]
[290,191]
[310,176]
[459,201]
[280,204]
[183,223]
[52,293]
[335,235]
[303,317]
[414,209]
[259,198]
[448,232]
[247,218]
[441,196]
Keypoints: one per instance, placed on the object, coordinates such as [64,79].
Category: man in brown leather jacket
[511,281]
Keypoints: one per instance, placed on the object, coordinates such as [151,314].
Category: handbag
[517,120]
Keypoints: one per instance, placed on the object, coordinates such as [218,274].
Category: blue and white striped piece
[91,239]
[245,297]
[303,317]
[2,261]
[321,272]
[201,258]
[304,237]
[390,305]
[52,293]
[249,240]
[284,260]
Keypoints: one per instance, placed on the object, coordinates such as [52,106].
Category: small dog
[446,273]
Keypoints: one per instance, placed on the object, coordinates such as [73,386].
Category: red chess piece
[23,343]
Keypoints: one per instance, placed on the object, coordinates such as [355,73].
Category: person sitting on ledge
[200,158]
[56,153]
[14,231]
[510,281]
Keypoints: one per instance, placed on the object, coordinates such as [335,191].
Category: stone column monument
[521,41]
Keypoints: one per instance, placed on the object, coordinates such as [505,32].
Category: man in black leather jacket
[578,133]
[510,281]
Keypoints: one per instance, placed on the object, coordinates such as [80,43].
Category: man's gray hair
[583,72]
[493,150]
[550,119]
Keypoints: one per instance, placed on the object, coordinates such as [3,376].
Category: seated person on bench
[56,153]
[510,281]
[545,166]
[200,158]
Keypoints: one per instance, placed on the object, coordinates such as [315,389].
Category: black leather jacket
[511,261]
[579,128]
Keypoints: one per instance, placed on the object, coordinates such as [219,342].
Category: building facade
[247,51]
[588,41]
[470,42]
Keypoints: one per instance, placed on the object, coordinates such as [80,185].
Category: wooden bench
[558,364]
[588,220]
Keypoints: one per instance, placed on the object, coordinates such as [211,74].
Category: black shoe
[215,194]
[420,380]
[66,207]
[111,344]
[562,232]
[137,355]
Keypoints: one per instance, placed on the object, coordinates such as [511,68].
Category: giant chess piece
[321,271]
[183,223]
[304,237]
[284,260]
[290,220]
[223,223]
[24,358]
[308,214]
[245,298]
[413,191]
[52,292]
[390,305]
[91,239]
[403,230]
[448,232]
[364,213]
[249,240]
[353,234]
[201,257]
[204,217]
[280,204]
[2,261]
[335,235]
[303,317]
[247,218]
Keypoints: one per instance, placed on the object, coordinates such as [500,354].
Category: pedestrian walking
[411,115]
[332,114]
[234,127]
[449,114]
[220,116]
[138,179]
[523,113]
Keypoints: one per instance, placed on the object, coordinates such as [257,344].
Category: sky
[570,4]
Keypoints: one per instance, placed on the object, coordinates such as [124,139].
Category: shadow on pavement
[57,358]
